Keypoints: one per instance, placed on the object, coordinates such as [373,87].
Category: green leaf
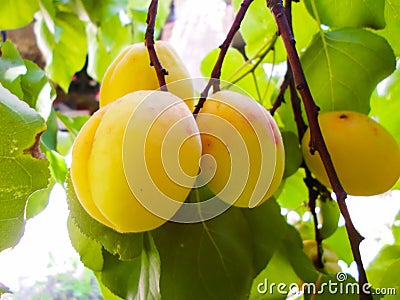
[38,92]
[73,124]
[38,201]
[100,11]
[268,228]
[126,246]
[385,103]
[65,141]
[105,43]
[134,279]
[339,242]
[348,13]
[25,80]
[90,251]
[49,137]
[209,260]
[64,47]
[17,13]
[327,63]
[392,17]
[278,271]
[23,169]
[300,262]
[106,293]
[259,17]
[12,67]
[58,166]
[387,256]
[288,266]
[293,155]
[293,191]
[391,280]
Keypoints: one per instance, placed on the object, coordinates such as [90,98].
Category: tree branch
[216,72]
[149,41]
[317,142]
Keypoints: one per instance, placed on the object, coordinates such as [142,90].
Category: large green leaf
[288,267]
[17,13]
[278,271]
[137,278]
[209,260]
[100,11]
[105,43]
[344,66]
[385,102]
[339,242]
[387,256]
[25,80]
[391,281]
[64,46]
[268,228]
[23,170]
[348,13]
[89,250]
[391,31]
[126,246]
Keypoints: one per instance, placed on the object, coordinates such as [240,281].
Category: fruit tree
[235,190]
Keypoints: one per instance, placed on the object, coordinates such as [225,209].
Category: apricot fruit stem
[149,41]
[216,72]
[317,142]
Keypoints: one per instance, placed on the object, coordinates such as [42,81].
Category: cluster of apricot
[144,142]
[141,133]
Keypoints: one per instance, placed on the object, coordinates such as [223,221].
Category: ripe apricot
[246,148]
[365,155]
[109,147]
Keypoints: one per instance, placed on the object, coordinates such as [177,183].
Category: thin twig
[317,142]
[149,41]
[281,96]
[216,72]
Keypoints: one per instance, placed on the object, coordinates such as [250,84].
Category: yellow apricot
[111,139]
[246,146]
[329,258]
[131,71]
[366,156]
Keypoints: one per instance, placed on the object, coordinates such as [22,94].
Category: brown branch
[317,142]
[216,72]
[149,41]
[315,189]
[281,96]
